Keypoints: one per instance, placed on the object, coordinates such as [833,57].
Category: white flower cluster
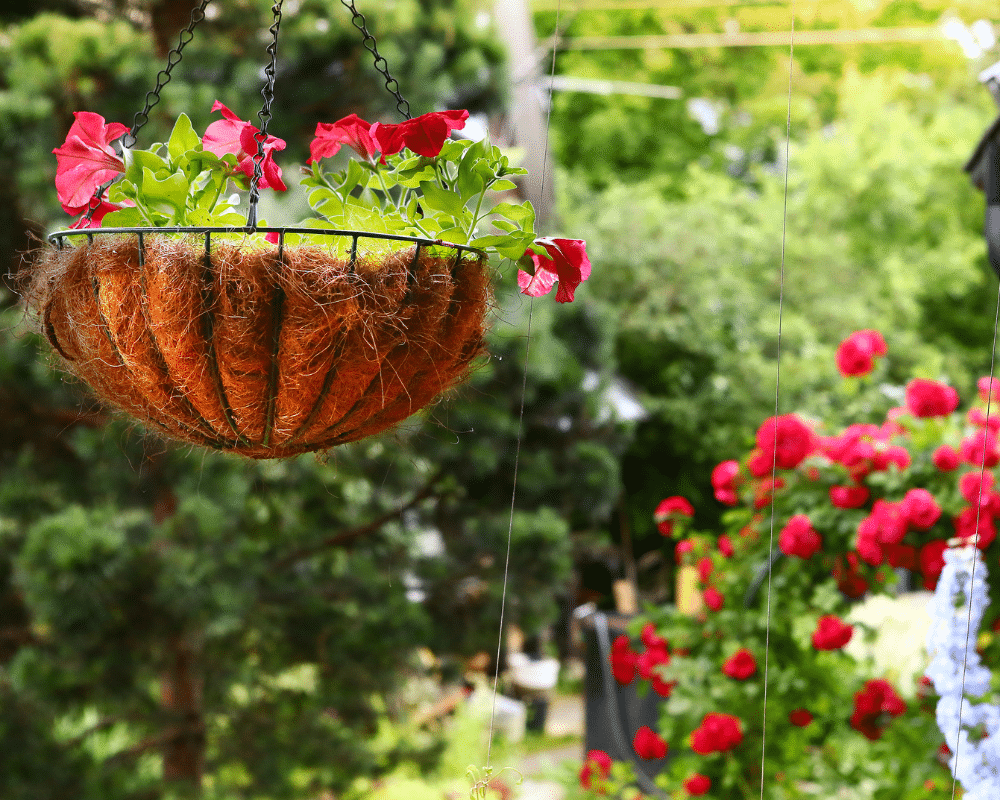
[956,614]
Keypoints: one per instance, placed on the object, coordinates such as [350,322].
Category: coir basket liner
[263,351]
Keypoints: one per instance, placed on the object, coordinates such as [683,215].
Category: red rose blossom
[977,416]
[726,546]
[670,510]
[988,387]
[893,454]
[856,353]
[849,496]
[713,598]
[798,538]
[649,744]
[800,717]
[649,660]
[873,705]
[724,482]
[946,458]
[740,665]
[562,260]
[980,449]
[831,633]
[920,509]
[683,547]
[927,398]
[623,660]
[651,639]
[786,439]
[932,562]
[849,580]
[697,784]
[595,769]
[970,521]
[975,487]
[901,555]
[705,567]
[717,734]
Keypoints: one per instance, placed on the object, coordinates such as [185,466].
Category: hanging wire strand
[975,543]
[777,394]
[391,84]
[174,58]
[264,115]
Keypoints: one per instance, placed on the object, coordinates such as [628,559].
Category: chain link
[264,115]
[152,98]
[391,85]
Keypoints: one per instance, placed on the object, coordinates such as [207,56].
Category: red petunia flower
[799,538]
[800,717]
[351,130]
[717,734]
[697,784]
[235,136]
[740,665]
[649,744]
[563,260]
[669,511]
[595,771]
[874,707]
[424,135]
[100,212]
[86,159]
[927,398]
[831,633]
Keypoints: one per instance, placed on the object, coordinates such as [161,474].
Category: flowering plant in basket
[411,179]
[330,330]
[845,508]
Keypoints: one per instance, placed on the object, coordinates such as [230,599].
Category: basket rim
[58,238]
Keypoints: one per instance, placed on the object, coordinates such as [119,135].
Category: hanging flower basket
[261,350]
[216,329]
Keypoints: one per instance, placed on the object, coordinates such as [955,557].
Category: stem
[475,217]
[740,780]
[385,189]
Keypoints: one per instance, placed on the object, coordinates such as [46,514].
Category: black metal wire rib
[391,84]
[264,115]
[207,331]
[277,320]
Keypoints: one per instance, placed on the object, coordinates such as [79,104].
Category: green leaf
[172,189]
[503,185]
[518,212]
[124,218]
[444,200]
[182,139]
[504,225]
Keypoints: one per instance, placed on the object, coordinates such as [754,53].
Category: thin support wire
[777,393]
[975,543]
[517,449]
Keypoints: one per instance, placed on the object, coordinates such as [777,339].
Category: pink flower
[798,538]
[424,135]
[233,135]
[726,546]
[682,548]
[623,660]
[786,436]
[980,449]
[848,496]
[945,458]
[713,598]
[86,159]
[740,665]
[873,705]
[705,567]
[351,130]
[697,784]
[977,417]
[669,511]
[856,353]
[724,482]
[800,717]
[971,521]
[920,509]
[893,454]
[932,562]
[988,388]
[595,769]
[831,633]
[716,734]
[649,744]
[103,209]
[566,261]
[927,398]
[975,487]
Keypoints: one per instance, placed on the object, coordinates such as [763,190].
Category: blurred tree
[178,623]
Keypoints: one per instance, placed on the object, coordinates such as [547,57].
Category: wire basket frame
[266,352]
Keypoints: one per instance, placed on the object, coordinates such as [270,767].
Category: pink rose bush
[836,510]
[417,179]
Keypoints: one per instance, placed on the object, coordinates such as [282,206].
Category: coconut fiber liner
[262,355]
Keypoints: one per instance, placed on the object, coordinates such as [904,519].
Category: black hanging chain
[152,97]
[264,115]
[391,85]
